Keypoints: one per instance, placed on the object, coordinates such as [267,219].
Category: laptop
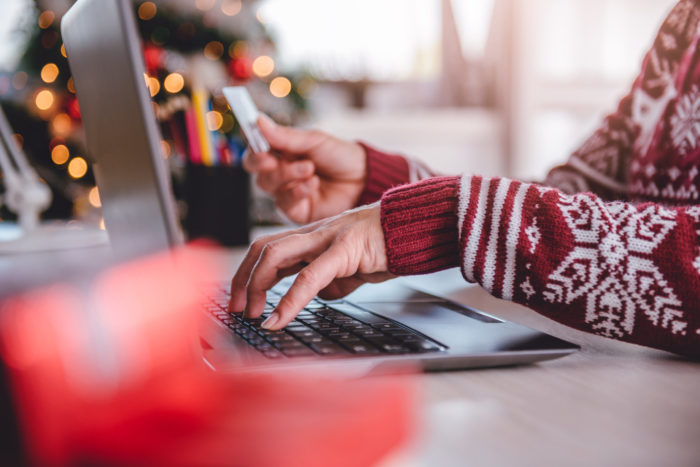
[378,325]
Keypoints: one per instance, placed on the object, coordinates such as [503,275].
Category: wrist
[419,222]
[381,172]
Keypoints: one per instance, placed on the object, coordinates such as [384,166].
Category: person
[608,243]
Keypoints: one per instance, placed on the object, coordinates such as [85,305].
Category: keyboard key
[328,349]
[362,349]
[302,351]
[272,353]
[350,341]
[382,341]
[282,338]
[338,334]
[361,315]
[303,335]
[389,327]
[423,346]
[395,348]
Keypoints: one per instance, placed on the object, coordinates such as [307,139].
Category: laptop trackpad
[451,324]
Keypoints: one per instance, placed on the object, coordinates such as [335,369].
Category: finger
[314,277]
[339,288]
[294,209]
[289,139]
[240,279]
[260,162]
[306,187]
[277,256]
[296,200]
[286,172]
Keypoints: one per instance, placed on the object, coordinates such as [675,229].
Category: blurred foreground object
[110,373]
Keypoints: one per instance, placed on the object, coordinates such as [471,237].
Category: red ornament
[73,108]
[153,56]
[241,68]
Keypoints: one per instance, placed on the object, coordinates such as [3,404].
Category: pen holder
[217,204]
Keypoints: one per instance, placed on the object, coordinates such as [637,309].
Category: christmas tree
[189,56]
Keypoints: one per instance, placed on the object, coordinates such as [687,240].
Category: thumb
[287,139]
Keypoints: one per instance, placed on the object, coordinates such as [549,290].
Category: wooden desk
[612,404]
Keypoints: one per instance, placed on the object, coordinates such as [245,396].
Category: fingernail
[267,119]
[270,321]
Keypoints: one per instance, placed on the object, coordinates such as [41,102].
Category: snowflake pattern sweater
[609,243]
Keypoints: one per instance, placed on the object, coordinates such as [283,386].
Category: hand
[333,256]
[316,175]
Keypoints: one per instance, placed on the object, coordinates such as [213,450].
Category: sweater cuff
[383,172]
[420,226]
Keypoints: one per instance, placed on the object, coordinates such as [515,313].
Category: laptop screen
[122,134]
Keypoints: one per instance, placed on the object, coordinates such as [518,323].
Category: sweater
[608,243]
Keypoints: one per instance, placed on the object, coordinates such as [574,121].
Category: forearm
[622,271]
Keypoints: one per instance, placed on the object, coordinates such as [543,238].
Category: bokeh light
[205,5]
[60,154]
[62,125]
[280,87]
[46,19]
[228,123]
[44,99]
[77,167]
[263,66]
[214,50]
[231,7]
[49,73]
[153,86]
[306,87]
[147,11]
[174,83]
[165,149]
[94,197]
[214,120]
[238,49]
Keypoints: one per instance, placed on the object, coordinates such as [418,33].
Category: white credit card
[247,116]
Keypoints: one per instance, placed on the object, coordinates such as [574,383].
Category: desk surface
[610,404]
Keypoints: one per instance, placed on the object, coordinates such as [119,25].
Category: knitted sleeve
[386,170]
[629,272]
[601,165]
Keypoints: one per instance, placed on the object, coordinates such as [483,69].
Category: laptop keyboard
[322,328]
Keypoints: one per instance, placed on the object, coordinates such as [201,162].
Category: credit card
[246,114]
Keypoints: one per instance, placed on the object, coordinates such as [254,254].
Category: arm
[624,271]
[611,268]
[601,164]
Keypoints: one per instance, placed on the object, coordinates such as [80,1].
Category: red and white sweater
[609,243]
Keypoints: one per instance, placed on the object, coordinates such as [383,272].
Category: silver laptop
[378,325]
